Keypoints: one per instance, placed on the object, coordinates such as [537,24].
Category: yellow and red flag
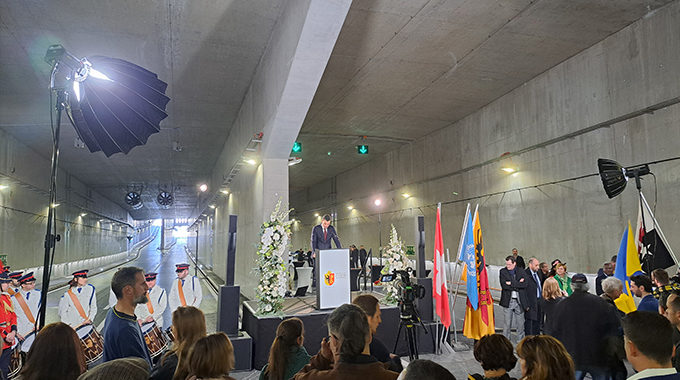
[480,322]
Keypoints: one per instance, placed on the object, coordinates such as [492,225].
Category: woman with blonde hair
[211,358]
[551,296]
[563,279]
[543,357]
[188,326]
[287,355]
[56,353]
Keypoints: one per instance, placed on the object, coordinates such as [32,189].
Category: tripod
[409,319]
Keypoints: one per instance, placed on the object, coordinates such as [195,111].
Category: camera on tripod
[408,293]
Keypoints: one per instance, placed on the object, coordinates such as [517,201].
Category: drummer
[186,290]
[78,306]
[8,325]
[26,303]
[154,308]
[14,285]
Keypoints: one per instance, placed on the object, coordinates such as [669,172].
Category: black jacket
[584,322]
[518,283]
[532,299]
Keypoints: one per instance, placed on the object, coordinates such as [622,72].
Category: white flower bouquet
[394,259]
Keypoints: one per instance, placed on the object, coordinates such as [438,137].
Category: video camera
[408,293]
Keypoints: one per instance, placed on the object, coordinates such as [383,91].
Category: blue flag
[468,256]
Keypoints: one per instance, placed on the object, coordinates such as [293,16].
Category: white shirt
[193,294]
[67,310]
[32,298]
[649,372]
[159,300]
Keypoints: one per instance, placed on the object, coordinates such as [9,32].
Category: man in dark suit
[519,260]
[322,234]
[353,256]
[533,315]
[514,282]
[363,257]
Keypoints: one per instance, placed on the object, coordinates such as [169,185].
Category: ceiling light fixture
[54,205]
[251,162]
[406,195]
[377,202]
[316,214]
[294,160]
[3,187]
[350,208]
[212,206]
[203,187]
[508,170]
[83,214]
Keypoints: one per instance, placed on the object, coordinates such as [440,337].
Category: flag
[652,251]
[440,293]
[480,322]
[468,256]
[627,264]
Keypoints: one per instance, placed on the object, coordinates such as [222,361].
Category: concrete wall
[23,212]
[598,103]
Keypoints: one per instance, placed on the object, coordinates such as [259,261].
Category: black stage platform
[263,329]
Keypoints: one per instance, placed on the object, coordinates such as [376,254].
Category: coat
[193,293]
[318,241]
[518,284]
[297,360]
[532,300]
[584,322]
[363,367]
[564,285]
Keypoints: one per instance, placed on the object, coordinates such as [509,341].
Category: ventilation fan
[164,199]
[134,200]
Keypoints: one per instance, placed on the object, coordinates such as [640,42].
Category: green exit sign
[362,149]
[297,147]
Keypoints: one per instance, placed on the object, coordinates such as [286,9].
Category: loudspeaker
[231,250]
[420,240]
[227,309]
[425,307]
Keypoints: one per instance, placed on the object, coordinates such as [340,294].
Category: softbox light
[113,104]
[615,177]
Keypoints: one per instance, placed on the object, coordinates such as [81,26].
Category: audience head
[56,350]
[533,264]
[211,357]
[673,308]
[515,252]
[640,285]
[544,357]
[188,326]
[647,339]
[495,352]
[371,306]
[289,334]
[119,369]
[660,277]
[544,267]
[349,331]
[579,283]
[613,287]
[608,268]
[551,289]
[426,369]
[128,283]
[560,269]
[510,262]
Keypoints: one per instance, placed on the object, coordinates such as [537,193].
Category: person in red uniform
[8,325]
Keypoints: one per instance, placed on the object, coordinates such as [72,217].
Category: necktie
[325,233]
[538,285]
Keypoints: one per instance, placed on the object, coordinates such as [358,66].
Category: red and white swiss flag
[439,292]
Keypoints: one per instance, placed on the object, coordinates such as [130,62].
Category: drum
[15,362]
[169,333]
[154,339]
[27,342]
[92,342]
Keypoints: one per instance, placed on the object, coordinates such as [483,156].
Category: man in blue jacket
[323,234]
[641,286]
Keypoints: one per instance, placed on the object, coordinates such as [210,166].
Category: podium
[332,278]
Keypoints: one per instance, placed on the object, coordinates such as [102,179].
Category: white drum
[27,342]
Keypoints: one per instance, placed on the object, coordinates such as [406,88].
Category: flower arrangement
[271,263]
[395,260]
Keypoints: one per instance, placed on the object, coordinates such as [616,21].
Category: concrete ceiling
[400,70]
[404,68]
[206,50]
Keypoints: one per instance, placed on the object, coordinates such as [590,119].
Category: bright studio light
[203,188]
[377,202]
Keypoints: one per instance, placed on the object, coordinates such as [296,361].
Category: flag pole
[657,227]
[455,294]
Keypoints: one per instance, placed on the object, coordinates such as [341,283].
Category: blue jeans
[597,373]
